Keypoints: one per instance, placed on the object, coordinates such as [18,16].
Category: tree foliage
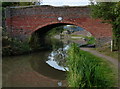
[31,2]
[5,4]
[110,12]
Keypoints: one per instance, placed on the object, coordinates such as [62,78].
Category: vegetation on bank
[90,40]
[55,31]
[87,70]
[12,46]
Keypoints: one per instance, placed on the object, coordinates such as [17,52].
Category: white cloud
[65,2]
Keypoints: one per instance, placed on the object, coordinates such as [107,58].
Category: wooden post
[111,45]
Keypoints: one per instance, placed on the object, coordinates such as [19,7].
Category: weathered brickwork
[23,21]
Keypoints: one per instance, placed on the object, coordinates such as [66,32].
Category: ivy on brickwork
[110,12]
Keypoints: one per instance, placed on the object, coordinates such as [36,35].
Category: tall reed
[87,70]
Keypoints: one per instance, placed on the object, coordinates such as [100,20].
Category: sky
[65,2]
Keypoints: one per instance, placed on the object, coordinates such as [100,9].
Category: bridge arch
[56,24]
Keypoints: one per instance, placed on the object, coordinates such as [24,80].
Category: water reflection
[38,63]
[51,62]
[57,58]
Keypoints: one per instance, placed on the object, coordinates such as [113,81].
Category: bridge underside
[45,29]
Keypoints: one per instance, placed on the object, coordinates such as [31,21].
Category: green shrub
[87,70]
[14,47]
[90,40]
[55,31]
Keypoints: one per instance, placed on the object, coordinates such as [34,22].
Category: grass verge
[87,70]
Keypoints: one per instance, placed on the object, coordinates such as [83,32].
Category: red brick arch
[22,22]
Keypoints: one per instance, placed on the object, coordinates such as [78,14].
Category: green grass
[90,40]
[87,70]
[75,38]
[77,35]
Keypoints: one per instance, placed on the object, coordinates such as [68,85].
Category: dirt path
[112,60]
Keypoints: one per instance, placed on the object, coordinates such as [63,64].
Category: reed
[87,70]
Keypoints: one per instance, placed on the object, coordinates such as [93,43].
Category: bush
[90,40]
[55,31]
[87,70]
[14,47]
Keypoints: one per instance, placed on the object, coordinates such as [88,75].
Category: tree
[5,4]
[33,2]
[110,13]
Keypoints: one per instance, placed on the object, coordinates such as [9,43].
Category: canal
[45,68]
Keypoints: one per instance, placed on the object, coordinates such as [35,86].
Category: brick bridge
[23,21]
